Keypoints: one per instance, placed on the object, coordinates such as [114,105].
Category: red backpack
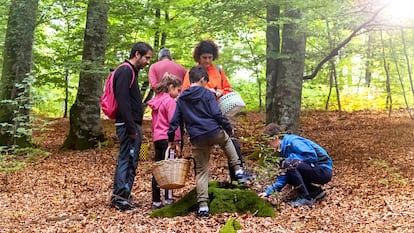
[108,101]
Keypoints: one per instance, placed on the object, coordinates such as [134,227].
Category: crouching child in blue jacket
[305,165]
[198,110]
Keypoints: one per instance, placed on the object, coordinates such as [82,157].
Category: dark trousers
[127,163]
[160,148]
[302,175]
[237,147]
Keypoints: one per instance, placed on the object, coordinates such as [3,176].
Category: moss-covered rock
[224,198]
[231,226]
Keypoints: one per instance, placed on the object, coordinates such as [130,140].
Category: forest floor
[372,189]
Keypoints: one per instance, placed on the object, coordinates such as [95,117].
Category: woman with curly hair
[204,54]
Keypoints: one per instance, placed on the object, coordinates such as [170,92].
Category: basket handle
[167,152]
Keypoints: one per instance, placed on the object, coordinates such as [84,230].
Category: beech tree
[16,78]
[285,75]
[85,123]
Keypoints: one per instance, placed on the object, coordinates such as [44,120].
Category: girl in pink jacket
[163,108]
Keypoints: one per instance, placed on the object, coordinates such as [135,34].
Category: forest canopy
[371,71]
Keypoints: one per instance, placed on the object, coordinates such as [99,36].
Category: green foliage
[13,159]
[268,161]
[239,29]
[222,200]
[19,107]
[231,226]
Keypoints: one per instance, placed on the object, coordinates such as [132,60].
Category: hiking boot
[243,176]
[122,205]
[203,214]
[301,201]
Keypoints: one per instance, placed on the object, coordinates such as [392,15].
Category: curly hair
[167,80]
[205,46]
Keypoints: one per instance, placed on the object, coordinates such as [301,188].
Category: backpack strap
[132,69]
[221,75]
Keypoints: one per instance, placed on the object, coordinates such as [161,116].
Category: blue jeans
[302,175]
[127,162]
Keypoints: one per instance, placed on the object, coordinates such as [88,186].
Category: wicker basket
[231,104]
[171,173]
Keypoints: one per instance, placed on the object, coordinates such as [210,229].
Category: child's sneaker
[301,201]
[203,214]
[168,202]
[156,205]
[243,176]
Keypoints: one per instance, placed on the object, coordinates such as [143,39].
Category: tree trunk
[333,78]
[338,96]
[368,59]
[328,98]
[394,57]
[272,60]
[407,59]
[85,122]
[288,94]
[157,29]
[387,73]
[16,79]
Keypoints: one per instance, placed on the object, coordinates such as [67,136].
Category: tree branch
[335,51]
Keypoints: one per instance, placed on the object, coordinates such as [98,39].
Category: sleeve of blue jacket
[281,181]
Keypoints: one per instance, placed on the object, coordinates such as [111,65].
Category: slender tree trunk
[164,33]
[15,83]
[333,82]
[387,73]
[65,114]
[394,56]
[272,60]
[330,88]
[290,76]
[407,59]
[255,60]
[368,59]
[338,96]
[333,78]
[85,122]
[157,29]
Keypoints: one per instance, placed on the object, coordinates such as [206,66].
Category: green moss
[182,207]
[224,198]
[231,226]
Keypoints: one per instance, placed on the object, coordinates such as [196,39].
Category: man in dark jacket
[197,108]
[128,124]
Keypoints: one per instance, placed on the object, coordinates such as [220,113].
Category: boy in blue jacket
[304,164]
[198,109]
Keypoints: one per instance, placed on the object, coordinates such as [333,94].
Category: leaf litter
[371,190]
